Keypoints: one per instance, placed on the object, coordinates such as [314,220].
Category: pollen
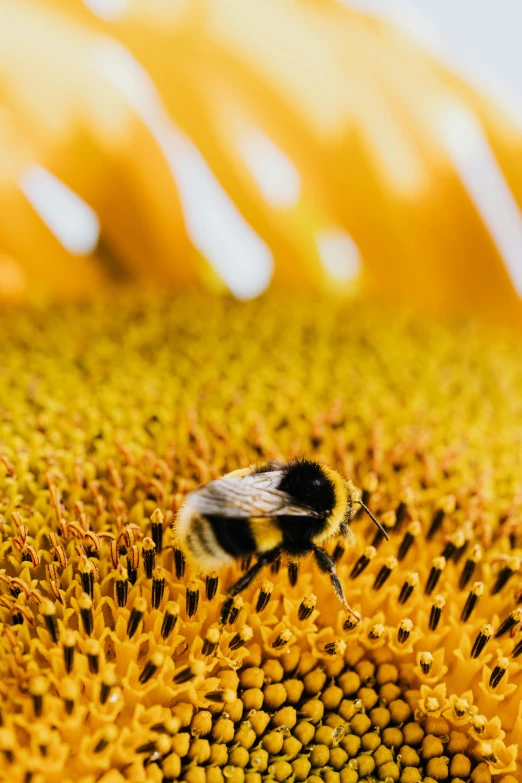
[122,660]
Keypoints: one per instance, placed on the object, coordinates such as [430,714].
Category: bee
[269,510]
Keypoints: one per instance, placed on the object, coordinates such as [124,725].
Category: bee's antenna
[365,508]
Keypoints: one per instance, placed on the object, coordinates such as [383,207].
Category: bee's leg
[247,579]
[327,565]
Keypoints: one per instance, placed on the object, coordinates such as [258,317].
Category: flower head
[120,661]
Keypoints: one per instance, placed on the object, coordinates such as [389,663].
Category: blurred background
[360,147]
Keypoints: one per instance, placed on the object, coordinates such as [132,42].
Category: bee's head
[311,484]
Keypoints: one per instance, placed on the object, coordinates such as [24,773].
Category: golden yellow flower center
[121,661]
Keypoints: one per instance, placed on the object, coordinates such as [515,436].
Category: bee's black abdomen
[307,484]
[233,535]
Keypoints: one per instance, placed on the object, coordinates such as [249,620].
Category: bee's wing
[254,495]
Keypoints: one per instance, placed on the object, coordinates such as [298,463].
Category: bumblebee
[269,510]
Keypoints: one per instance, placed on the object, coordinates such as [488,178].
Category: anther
[60,556]
[337,647]
[389,564]
[55,587]
[92,543]
[69,693]
[30,555]
[155,661]
[38,687]
[369,485]
[147,747]
[109,735]
[86,613]
[241,638]
[414,529]
[409,584]
[517,649]
[109,681]
[17,586]
[158,587]
[69,646]
[48,611]
[170,726]
[192,598]
[183,674]
[115,553]
[498,672]
[455,542]
[211,640]
[425,662]
[505,575]
[169,619]
[436,611]
[86,571]
[27,615]
[388,520]
[8,743]
[438,566]
[8,465]
[461,707]
[407,497]
[470,565]
[237,605]
[148,549]
[92,649]
[276,565]
[459,552]
[360,564]
[211,586]
[133,562]
[306,607]
[282,639]
[121,586]
[137,612]
[479,723]
[293,573]
[400,513]
[157,520]
[483,637]
[179,562]
[405,628]
[17,618]
[186,673]
[446,506]
[472,600]
[265,593]
[376,631]
[225,696]
[352,621]
[225,610]
[338,552]
[511,620]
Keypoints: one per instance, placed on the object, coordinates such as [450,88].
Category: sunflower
[120,662]
[193,148]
